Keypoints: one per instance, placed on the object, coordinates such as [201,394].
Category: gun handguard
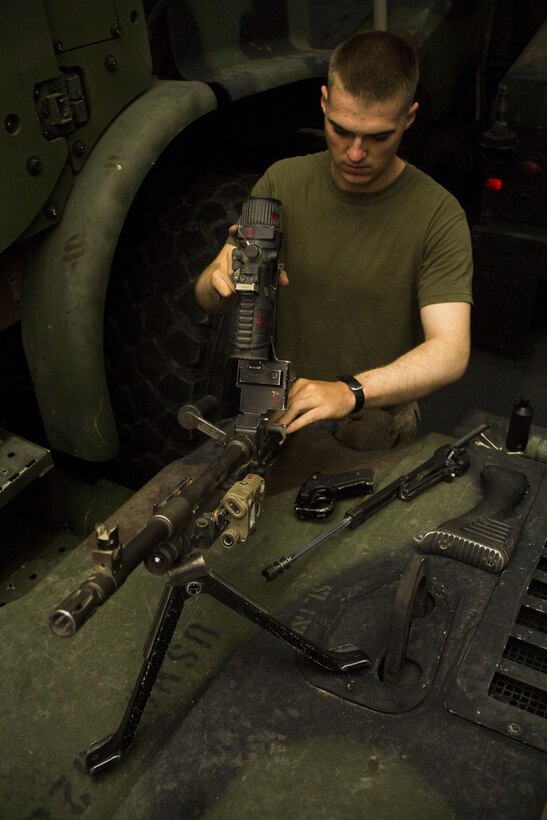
[484,536]
[171,518]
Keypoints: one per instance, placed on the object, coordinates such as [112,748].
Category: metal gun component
[410,603]
[262,378]
[264,385]
[172,518]
[189,416]
[187,580]
[447,463]
[242,505]
[317,497]
[485,536]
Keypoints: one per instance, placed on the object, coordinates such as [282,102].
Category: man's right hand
[214,287]
[215,290]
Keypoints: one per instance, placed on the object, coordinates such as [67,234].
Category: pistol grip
[484,536]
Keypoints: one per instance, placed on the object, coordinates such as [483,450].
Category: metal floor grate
[526,654]
[532,619]
[538,589]
[524,657]
[518,694]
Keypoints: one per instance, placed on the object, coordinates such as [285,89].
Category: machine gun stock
[484,536]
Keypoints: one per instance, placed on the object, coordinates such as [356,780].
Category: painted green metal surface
[63,694]
[66,285]
[24,140]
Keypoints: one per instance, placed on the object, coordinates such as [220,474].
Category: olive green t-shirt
[361,265]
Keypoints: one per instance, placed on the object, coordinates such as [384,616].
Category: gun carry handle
[484,536]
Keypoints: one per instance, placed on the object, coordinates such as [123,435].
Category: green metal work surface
[60,695]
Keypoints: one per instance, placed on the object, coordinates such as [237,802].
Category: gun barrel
[75,610]
[80,605]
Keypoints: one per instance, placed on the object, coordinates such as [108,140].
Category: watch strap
[356,388]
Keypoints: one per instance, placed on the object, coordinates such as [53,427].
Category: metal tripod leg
[103,753]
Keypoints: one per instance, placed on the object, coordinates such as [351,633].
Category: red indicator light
[260,320]
[494,185]
[249,233]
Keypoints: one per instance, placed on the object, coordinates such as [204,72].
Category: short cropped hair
[375,66]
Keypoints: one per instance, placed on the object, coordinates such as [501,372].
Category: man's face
[363,138]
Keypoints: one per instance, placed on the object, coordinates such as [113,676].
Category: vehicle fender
[66,279]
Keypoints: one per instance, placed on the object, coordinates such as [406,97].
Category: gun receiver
[447,463]
[484,536]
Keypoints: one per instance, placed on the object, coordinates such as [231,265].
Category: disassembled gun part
[317,497]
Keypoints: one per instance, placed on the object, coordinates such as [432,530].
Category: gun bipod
[187,579]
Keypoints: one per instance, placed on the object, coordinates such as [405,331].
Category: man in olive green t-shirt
[378,255]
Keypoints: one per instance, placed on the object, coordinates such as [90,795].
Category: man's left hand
[311,401]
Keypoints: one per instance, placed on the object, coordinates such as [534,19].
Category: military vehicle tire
[161,349]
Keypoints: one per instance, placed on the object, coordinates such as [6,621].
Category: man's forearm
[439,360]
[424,369]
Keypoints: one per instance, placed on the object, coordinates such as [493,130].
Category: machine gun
[179,527]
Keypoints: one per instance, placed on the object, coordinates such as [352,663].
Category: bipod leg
[195,577]
[103,753]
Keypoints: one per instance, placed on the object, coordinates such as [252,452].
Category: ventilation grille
[519,695]
[520,679]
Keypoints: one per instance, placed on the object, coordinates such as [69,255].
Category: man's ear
[324,98]
[411,116]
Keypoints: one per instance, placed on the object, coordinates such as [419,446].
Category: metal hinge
[61,104]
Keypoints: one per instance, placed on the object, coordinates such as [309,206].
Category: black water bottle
[519,426]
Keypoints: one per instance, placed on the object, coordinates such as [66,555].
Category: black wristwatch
[356,388]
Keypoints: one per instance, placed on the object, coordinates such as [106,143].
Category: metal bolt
[51,210]
[193,588]
[115,30]
[58,45]
[514,729]
[78,148]
[11,123]
[34,165]
[111,63]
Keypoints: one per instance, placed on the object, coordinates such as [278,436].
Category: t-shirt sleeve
[447,266]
